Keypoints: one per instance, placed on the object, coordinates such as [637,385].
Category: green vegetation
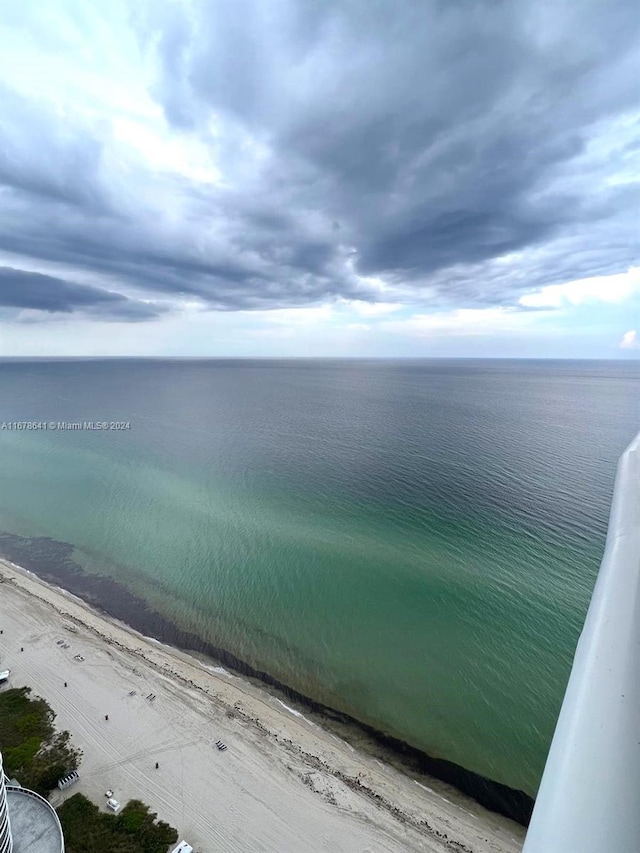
[38,756]
[135,830]
[32,750]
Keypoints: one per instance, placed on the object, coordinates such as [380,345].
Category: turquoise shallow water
[413,543]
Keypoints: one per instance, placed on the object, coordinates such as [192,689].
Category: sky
[406,178]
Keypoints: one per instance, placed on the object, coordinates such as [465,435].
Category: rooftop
[34,824]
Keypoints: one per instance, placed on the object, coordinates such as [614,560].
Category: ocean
[411,543]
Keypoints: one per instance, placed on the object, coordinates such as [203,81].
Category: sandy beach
[284,785]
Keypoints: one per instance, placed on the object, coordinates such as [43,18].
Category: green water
[412,543]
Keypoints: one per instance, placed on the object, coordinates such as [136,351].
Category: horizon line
[4,358]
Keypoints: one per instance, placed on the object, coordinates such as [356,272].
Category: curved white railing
[589,796]
[6,841]
[28,793]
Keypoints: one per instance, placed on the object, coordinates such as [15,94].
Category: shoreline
[52,561]
[364,798]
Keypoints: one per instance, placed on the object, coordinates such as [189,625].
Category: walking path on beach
[283,785]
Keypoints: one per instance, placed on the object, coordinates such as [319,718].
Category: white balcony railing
[589,797]
[55,828]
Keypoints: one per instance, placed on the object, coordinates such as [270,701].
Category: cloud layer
[449,157]
[36,292]
[630,340]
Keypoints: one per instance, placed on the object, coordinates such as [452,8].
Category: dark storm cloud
[29,290]
[222,285]
[418,142]
[438,128]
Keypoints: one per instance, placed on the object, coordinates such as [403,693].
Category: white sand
[284,785]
